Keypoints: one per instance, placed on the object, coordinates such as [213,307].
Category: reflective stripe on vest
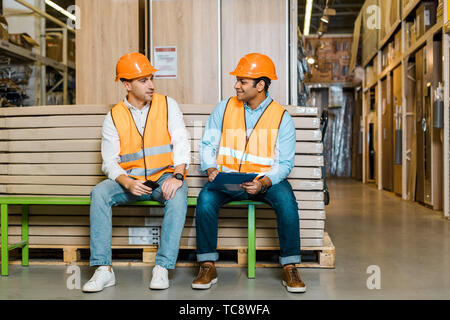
[237,153]
[150,155]
[136,172]
[148,152]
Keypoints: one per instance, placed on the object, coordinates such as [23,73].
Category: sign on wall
[165,60]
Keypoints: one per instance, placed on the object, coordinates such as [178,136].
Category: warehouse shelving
[446,76]
[398,61]
[26,55]
[389,34]
[423,39]
[398,24]
[374,86]
[390,67]
[409,8]
[370,58]
[12,50]
[370,85]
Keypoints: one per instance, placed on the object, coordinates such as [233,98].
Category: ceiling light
[308,12]
[311,60]
[61,10]
[325,19]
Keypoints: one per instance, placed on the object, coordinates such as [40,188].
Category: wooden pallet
[318,257]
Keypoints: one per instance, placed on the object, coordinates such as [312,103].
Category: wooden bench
[50,156]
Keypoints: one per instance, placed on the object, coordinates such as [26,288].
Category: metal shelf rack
[24,55]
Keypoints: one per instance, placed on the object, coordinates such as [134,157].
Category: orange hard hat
[255,65]
[134,65]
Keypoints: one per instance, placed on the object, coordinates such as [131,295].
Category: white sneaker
[160,279]
[101,279]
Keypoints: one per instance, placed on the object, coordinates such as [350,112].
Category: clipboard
[231,181]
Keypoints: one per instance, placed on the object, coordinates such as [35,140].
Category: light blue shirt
[284,157]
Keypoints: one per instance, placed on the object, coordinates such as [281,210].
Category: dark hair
[123,80]
[266,80]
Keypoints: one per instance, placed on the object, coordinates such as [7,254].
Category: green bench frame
[25,202]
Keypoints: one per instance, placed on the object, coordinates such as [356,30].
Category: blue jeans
[282,199]
[109,193]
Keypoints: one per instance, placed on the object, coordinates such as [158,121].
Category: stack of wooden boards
[55,150]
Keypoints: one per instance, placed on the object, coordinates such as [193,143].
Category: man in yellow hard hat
[249,133]
[144,141]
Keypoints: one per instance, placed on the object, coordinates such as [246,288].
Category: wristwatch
[178,176]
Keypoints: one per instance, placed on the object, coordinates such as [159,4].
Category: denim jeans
[282,199]
[109,193]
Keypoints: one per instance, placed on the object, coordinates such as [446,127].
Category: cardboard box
[4,35]
[389,15]
[425,17]
[54,47]
[23,40]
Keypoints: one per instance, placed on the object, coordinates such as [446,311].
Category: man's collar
[262,105]
[130,106]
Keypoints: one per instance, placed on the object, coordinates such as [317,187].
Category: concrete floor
[409,243]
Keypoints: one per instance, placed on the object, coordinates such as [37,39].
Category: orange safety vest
[151,155]
[254,154]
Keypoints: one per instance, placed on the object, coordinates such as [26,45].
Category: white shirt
[111,140]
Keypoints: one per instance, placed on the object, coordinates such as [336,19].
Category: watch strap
[264,187]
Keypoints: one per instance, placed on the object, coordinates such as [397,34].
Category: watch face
[179,176]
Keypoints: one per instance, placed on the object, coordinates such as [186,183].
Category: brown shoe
[292,280]
[207,276]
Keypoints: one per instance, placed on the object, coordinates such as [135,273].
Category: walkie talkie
[151,184]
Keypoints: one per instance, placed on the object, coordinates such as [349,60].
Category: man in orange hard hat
[249,133]
[145,153]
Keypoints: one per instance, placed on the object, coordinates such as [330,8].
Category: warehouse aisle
[410,245]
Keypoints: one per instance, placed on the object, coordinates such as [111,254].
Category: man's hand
[138,188]
[253,187]
[170,186]
[212,174]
